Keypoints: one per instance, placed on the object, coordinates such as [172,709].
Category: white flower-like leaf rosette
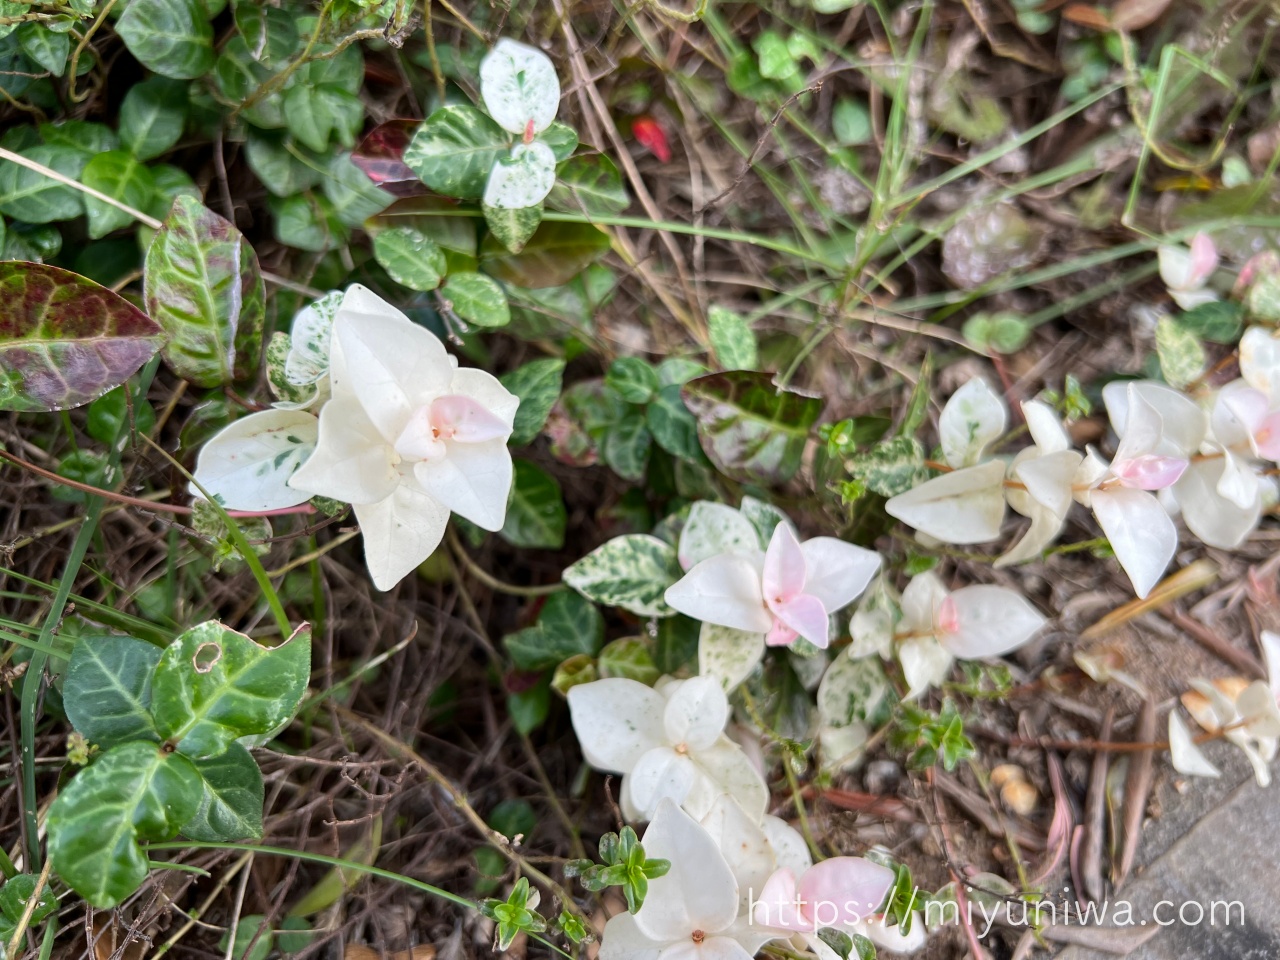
[668,743]
[693,912]
[522,94]
[975,622]
[749,599]
[407,437]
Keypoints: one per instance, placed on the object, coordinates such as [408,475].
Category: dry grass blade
[1195,577]
[1137,788]
[1095,812]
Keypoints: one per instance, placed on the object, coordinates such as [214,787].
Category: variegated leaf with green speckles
[65,340]
[410,257]
[764,517]
[513,226]
[631,571]
[523,179]
[520,88]
[728,655]
[892,467]
[1181,355]
[454,150]
[309,340]
[289,396]
[134,792]
[855,691]
[203,286]
[231,806]
[247,465]
[215,685]
[714,528]
[732,338]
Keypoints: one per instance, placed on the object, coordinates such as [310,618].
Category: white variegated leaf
[523,179]
[248,464]
[519,85]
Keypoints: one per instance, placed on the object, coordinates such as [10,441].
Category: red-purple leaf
[380,155]
[65,340]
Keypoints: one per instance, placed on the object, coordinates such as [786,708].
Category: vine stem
[488,579]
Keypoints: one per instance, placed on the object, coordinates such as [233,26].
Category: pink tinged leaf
[948,620]
[380,155]
[1267,437]
[65,340]
[780,635]
[784,567]
[1204,259]
[807,616]
[1149,471]
[465,420]
[419,440]
[775,905]
[851,888]
[1061,827]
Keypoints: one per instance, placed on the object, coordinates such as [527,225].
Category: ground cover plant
[627,480]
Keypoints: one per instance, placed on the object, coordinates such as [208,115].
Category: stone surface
[1218,846]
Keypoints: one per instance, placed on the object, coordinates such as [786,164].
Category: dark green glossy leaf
[529,708]
[214,685]
[751,429]
[307,222]
[626,446]
[203,286]
[31,196]
[45,47]
[107,690]
[65,340]
[152,116]
[633,379]
[454,150]
[270,33]
[121,176]
[14,897]
[410,258]
[171,37]
[354,196]
[589,184]
[537,384]
[554,255]
[134,792]
[672,425]
[561,138]
[677,642]
[477,299]
[536,515]
[231,805]
[569,625]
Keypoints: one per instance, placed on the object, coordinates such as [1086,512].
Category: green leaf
[109,416]
[751,429]
[628,658]
[107,689]
[308,222]
[1218,321]
[1182,358]
[631,571]
[65,340]
[283,167]
[171,37]
[776,59]
[354,196]
[569,625]
[454,150]
[851,122]
[529,708]
[477,299]
[231,805]
[537,384]
[633,379]
[86,138]
[513,225]
[554,255]
[252,939]
[14,897]
[410,258]
[677,643]
[672,424]
[42,45]
[134,792]
[561,138]
[536,514]
[307,115]
[589,184]
[152,117]
[122,177]
[203,286]
[626,446]
[32,197]
[237,75]
[732,339]
[269,33]
[214,685]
